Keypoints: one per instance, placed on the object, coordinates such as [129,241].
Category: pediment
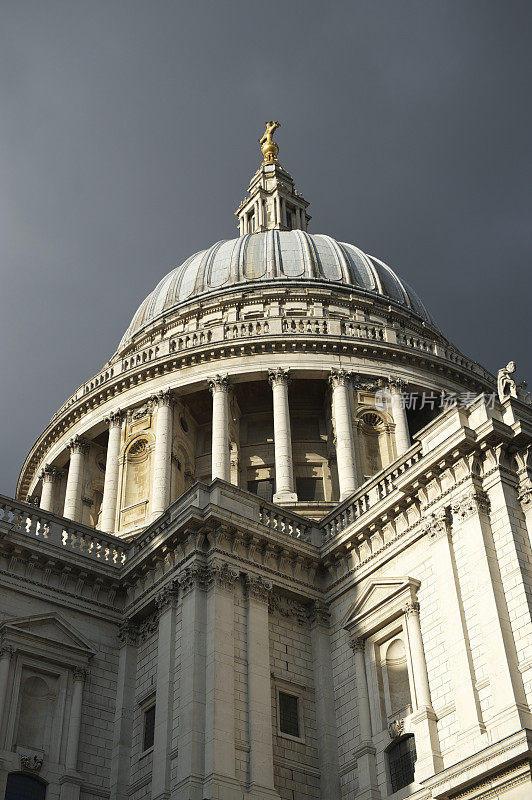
[379,599]
[50,631]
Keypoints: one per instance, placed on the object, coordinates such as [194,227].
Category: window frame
[293,691]
[145,705]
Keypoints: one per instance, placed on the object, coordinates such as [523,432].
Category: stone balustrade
[62,533]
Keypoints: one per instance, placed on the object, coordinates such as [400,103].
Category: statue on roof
[269,148]
[506,386]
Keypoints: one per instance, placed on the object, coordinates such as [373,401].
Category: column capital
[218,383]
[6,650]
[80,674]
[396,385]
[318,613]
[163,398]
[472,503]
[525,493]
[439,523]
[411,608]
[193,577]
[78,445]
[128,633]
[166,597]
[357,644]
[114,419]
[340,377]
[222,575]
[49,474]
[278,375]
[257,588]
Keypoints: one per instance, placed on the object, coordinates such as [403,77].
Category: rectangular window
[149,728]
[289,714]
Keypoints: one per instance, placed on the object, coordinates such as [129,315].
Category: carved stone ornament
[396,728]
[219,383]
[31,763]
[128,633]
[278,375]
[318,613]
[505,383]
[114,419]
[142,411]
[6,650]
[257,588]
[288,608]
[78,445]
[396,385]
[340,377]
[472,503]
[367,383]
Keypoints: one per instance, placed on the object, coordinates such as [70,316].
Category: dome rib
[274,255]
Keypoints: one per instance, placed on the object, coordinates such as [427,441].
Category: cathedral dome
[273,256]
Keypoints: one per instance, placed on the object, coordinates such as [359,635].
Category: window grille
[401,762]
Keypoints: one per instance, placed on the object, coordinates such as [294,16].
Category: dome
[272,256]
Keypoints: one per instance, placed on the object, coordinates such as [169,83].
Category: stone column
[220,777]
[110,488]
[78,450]
[49,477]
[164,695]
[455,633]
[402,434]
[124,711]
[365,753]
[340,381]
[284,467]
[429,760]
[283,211]
[6,651]
[191,761]
[221,455]
[162,462]
[261,778]
[325,700]
[74,724]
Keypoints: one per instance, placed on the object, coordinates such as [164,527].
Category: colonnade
[343,410]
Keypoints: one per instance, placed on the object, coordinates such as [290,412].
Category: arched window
[24,787]
[401,762]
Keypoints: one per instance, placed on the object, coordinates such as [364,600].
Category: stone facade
[238,567]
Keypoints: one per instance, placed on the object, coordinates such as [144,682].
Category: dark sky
[128,134]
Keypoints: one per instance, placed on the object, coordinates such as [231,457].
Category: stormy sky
[128,134]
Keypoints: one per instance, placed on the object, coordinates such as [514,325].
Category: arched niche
[396,666]
[375,439]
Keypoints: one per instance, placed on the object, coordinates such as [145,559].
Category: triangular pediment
[377,594]
[50,630]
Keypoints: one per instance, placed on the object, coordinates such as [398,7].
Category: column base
[285,497]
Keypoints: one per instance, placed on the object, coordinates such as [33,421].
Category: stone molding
[219,383]
[257,588]
[78,445]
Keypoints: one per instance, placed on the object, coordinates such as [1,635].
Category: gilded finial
[269,148]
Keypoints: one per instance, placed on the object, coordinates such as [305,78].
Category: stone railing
[362,330]
[372,492]
[62,533]
[271,516]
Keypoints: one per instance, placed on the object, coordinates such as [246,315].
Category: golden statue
[269,148]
